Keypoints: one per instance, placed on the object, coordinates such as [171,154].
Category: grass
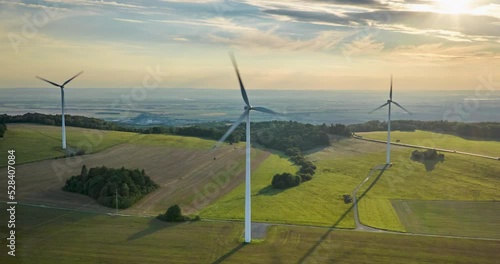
[463,218]
[34,142]
[310,203]
[77,237]
[341,168]
[459,177]
[379,213]
[430,139]
[174,141]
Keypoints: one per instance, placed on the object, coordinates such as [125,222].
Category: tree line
[482,130]
[279,135]
[107,185]
[70,120]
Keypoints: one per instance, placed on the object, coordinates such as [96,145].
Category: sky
[296,44]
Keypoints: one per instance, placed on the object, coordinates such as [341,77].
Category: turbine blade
[55,84]
[231,129]
[402,108]
[390,94]
[378,108]
[266,110]
[242,88]
[66,82]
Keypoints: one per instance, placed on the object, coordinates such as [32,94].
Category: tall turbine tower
[389,102]
[62,104]
[245,115]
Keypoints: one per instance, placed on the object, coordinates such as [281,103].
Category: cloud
[363,46]
[95,3]
[128,20]
[442,52]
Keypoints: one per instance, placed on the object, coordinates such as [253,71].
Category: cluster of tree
[70,120]
[3,128]
[279,135]
[282,135]
[483,130]
[305,173]
[430,158]
[427,155]
[107,185]
[285,180]
[174,214]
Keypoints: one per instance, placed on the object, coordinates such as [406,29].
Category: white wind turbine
[246,114]
[389,102]
[62,104]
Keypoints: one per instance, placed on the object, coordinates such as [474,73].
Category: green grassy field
[462,218]
[341,168]
[346,164]
[430,139]
[379,213]
[459,177]
[34,142]
[75,237]
[309,203]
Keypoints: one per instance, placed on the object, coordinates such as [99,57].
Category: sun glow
[453,6]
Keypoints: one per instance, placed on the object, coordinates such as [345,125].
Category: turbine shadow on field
[155,225]
[230,253]
[327,234]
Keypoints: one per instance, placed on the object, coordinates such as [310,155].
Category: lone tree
[174,214]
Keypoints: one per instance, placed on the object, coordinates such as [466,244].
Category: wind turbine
[245,115]
[389,102]
[62,104]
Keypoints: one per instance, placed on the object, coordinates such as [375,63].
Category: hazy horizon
[190,105]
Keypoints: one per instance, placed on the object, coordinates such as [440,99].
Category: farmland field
[212,182]
[104,239]
[379,213]
[461,218]
[34,142]
[430,139]
[309,203]
[459,177]
[193,177]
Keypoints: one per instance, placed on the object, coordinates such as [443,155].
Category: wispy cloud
[374,34]
[128,20]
